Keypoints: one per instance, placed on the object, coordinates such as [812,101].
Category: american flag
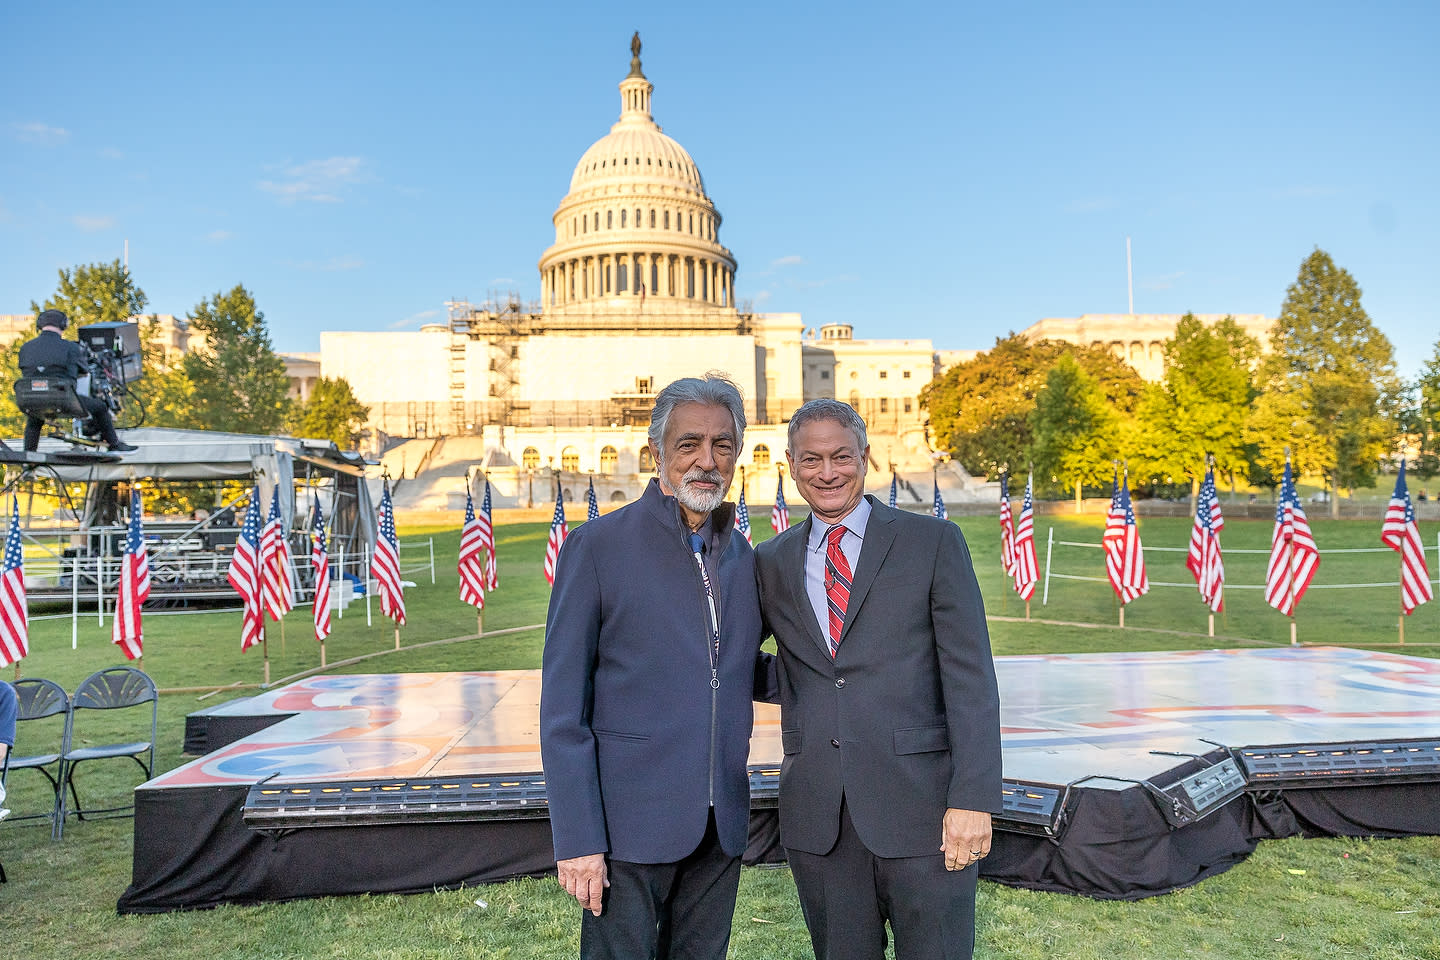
[592,506]
[385,562]
[14,616]
[472,557]
[276,569]
[1402,534]
[134,588]
[1027,570]
[244,575]
[486,525]
[894,488]
[1204,558]
[1124,554]
[780,513]
[558,533]
[1294,555]
[320,563]
[938,509]
[742,517]
[1007,528]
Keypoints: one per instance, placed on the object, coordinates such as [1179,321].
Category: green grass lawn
[1351,898]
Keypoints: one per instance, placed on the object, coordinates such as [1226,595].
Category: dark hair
[52,318]
[825,408]
[714,388]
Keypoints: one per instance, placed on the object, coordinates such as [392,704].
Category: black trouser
[98,414]
[849,893]
[666,911]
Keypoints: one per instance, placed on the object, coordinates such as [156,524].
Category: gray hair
[827,409]
[714,389]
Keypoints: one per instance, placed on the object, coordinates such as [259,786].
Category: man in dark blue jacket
[652,655]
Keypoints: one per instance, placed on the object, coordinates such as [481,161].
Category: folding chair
[38,699]
[113,688]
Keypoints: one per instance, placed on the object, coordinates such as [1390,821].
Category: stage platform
[1127,775]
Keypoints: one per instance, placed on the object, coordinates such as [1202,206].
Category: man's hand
[584,878]
[964,838]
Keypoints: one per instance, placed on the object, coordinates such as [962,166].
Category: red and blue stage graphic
[1100,738]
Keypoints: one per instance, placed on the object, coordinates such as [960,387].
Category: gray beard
[701,501]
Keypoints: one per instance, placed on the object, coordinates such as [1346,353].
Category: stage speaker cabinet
[119,338]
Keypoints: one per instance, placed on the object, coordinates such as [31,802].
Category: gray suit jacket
[904,722]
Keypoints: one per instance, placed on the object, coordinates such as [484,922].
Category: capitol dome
[636,225]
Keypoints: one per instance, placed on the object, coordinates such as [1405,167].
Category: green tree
[1075,428]
[1202,404]
[1425,417]
[1331,373]
[980,410]
[236,381]
[95,293]
[332,413]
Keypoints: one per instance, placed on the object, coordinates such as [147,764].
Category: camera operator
[52,355]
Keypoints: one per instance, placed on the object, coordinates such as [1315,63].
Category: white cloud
[1090,205]
[414,318]
[333,265]
[110,153]
[1162,282]
[762,297]
[92,224]
[218,236]
[319,181]
[40,133]
[788,261]
[503,280]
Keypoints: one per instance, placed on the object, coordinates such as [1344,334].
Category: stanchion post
[432,561]
[366,561]
[75,601]
[340,607]
[100,590]
[1212,623]
[1049,546]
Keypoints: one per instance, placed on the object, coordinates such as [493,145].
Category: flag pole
[397,636]
[1212,623]
[265,648]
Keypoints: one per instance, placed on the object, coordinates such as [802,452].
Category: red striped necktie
[837,584]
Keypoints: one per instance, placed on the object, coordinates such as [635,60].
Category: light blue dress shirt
[854,524]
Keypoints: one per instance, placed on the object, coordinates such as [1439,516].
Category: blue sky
[951,171]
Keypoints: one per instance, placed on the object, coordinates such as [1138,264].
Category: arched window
[622,218]
[609,219]
[667,219]
[637,217]
[652,218]
[608,458]
[654,276]
[647,461]
[570,459]
[530,459]
[692,223]
[760,456]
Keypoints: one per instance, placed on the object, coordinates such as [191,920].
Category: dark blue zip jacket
[634,739]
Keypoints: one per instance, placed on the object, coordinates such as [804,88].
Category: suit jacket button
[834,743]
[840,682]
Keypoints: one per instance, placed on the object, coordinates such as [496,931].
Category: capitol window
[608,458]
[622,218]
[906,374]
[884,405]
[667,219]
[609,219]
[907,404]
[884,374]
[652,218]
[637,217]
[692,223]
[761,455]
[647,461]
[530,459]
[570,460]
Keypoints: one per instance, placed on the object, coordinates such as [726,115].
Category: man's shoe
[122,447]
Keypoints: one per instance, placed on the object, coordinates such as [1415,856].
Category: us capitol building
[638,290]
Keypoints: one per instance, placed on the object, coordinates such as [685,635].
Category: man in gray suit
[889,708]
